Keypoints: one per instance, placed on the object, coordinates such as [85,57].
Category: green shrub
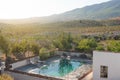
[87,45]
[113,46]
[100,48]
[44,53]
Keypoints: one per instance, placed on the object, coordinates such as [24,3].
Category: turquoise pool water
[55,70]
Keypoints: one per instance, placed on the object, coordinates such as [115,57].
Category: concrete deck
[89,76]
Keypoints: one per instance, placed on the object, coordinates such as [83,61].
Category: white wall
[112,60]
[20,63]
[24,62]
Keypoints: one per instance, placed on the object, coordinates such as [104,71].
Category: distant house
[106,66]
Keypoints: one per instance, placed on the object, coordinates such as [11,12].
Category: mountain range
[106,10]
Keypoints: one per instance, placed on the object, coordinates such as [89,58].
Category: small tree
[58,44]
[4,47]
[34,48]
[19,49]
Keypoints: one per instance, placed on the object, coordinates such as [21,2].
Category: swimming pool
[55,70]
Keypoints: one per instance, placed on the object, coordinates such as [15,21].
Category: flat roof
[107,52]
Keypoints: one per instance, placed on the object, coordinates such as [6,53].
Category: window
[103,71]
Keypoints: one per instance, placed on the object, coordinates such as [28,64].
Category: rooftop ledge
[106,52]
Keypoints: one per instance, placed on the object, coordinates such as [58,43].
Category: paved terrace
[75,75]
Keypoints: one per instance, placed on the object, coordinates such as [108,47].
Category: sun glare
[24,8]
[12,9]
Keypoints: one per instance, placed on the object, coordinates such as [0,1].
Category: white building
[106,66]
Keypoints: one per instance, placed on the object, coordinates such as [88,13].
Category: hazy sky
[12,9]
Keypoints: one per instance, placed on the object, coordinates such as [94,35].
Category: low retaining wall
[72,54]
[24,62]
[18,75]
[69,53]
